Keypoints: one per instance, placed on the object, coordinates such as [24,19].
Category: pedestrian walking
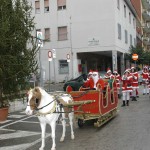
[117,77]
[134,83]
[126,87]
[145,75]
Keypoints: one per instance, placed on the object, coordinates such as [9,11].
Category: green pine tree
[17,58]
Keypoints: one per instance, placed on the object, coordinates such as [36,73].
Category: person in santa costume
[117,77]
[145,75]
[95,77]
[126,87]
[149,79]
[109,74]
[134,83]
[89,83]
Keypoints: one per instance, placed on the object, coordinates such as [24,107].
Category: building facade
[93,34]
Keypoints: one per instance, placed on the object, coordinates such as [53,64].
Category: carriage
[98,105]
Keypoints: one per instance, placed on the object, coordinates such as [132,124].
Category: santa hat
[127,70]
[95,71]
[90,72]
[115,71]
[132,67]
[108,70]
[145,67]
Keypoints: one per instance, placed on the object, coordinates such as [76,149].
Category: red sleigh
[98,105]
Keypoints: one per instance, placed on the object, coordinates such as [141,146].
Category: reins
[45,105]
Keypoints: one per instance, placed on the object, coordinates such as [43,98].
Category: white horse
[48,112]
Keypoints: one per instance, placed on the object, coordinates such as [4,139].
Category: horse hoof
[53,148]
[62,139]
[72,137]
[41,148]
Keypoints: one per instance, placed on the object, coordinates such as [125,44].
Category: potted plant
[4,106]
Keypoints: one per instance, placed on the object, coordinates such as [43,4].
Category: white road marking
[16,121]
[2,122]
[18,134]
[16,116]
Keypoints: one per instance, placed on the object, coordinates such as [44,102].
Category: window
[38,30]
[126,36]
[130,40]
[63,67]
[134,23]
[119,31]
[46,6]
[129,17]
[125,11]
[37,7]
[61,4]
[47,34]
[62,33]
[118,4]
[134,42]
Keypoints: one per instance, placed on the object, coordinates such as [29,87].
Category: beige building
[94,34]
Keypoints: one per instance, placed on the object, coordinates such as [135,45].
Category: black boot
[124,104]
[134,99]
[127,102]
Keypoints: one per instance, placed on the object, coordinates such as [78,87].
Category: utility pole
[71,46]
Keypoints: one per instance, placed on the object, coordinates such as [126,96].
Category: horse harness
[58,103]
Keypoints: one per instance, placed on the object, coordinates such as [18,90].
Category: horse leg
[53,127]
[71,124]
[64,127]
[43,127]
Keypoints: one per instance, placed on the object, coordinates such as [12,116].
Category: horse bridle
[36,104]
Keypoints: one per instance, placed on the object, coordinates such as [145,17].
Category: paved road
[129,130]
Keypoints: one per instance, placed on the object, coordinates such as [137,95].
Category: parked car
[75,83]
[140,77]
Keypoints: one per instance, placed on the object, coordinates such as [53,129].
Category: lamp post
[49,60]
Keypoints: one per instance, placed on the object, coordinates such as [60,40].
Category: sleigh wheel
[80,123]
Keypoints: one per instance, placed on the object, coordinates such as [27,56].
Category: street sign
[40,39]
[49,55]
[54,53]
[68,58]
[135,56]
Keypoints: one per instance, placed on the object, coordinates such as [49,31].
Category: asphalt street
[129,130]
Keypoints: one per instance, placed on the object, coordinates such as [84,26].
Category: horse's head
[33,100]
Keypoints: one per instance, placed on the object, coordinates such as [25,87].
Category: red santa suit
[134,83]
[109,74]
[89,83]
[126,87]
[145,75]
[117,77]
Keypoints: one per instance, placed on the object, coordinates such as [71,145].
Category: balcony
[146,40]
[146,4]
[146,27]
[146,15]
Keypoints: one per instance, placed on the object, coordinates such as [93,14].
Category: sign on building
[40,38]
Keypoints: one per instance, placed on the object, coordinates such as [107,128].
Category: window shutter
[46,3]
[61,2]
[37,4]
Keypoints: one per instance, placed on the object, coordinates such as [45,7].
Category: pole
[135,64]
[54,75]
[49,76]
[40,66]
[71,45]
